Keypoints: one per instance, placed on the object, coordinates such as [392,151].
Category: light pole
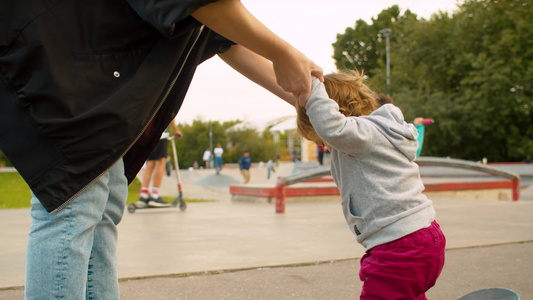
[386,33]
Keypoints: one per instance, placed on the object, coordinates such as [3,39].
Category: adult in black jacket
[87,87]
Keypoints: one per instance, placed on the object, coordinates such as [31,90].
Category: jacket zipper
[165,95]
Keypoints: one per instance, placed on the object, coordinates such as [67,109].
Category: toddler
[372,162]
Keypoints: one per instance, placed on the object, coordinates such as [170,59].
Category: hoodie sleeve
[350,135]
[165,14]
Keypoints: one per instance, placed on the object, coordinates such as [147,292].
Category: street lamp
[386,33]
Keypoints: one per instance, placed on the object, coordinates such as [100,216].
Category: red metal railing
[294,178]
[468,165]
[426,161]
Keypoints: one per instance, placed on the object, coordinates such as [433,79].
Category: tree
[195,140]
[260,145]
[234,140]
[363,48]
[471,71]
[489,78]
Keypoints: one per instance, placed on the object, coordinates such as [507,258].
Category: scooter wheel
[131,208]
[183,205]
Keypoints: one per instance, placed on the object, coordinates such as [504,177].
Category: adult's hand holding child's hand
[293,73]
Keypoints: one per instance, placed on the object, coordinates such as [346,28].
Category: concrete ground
[225,250]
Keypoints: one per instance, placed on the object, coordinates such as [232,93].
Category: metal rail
[295,178]
[468,165]
[423,161]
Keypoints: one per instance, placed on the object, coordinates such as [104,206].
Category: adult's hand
[293,73]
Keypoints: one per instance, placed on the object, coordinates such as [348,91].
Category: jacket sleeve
[215,44]
[165,15]
[350,135]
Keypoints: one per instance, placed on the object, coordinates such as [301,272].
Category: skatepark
[223,249]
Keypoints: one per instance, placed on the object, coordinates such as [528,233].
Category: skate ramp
[216,181]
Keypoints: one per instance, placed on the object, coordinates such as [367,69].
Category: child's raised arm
[351,135]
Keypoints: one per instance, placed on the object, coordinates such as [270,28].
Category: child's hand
[418,121]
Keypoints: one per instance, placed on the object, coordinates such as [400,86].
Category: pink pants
[405,268]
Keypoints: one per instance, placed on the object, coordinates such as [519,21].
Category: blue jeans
[72,253]
[218,163]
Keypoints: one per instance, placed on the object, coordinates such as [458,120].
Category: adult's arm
[231,19]
[256,68]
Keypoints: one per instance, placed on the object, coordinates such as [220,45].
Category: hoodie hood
[390,121]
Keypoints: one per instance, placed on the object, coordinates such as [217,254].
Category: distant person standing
[207,158]
[320,150]
[244,165]
[270,168]
[419,125]
[218,157]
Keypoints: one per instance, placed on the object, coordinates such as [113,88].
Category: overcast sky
[219,93]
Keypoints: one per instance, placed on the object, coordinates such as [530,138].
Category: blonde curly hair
[352,95]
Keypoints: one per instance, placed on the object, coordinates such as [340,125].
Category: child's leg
[405,268]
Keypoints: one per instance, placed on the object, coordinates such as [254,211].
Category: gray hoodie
[372,164]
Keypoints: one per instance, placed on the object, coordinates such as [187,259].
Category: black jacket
[84,83]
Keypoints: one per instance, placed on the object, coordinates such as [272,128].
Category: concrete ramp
[216,181]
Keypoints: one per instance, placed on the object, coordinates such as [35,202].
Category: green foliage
[196,140]
[363,48]
[134,191]
[259,145]
[15,192]
[234,140]
[471,71]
